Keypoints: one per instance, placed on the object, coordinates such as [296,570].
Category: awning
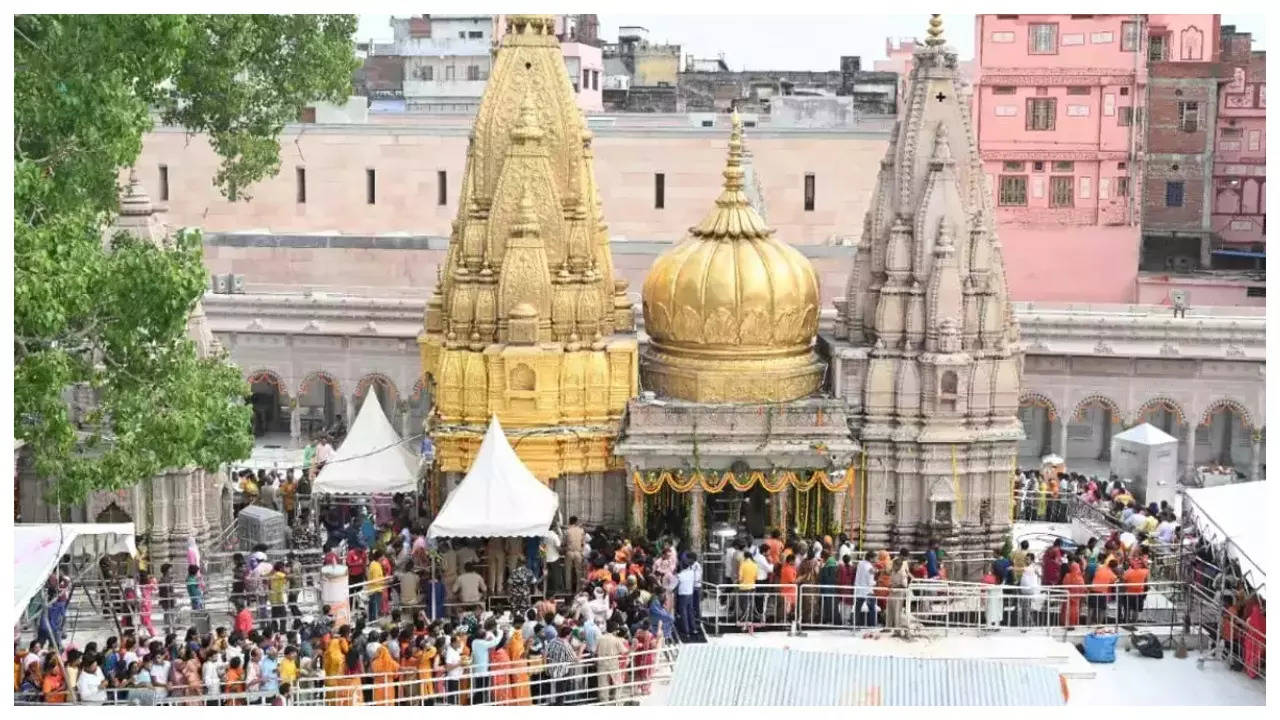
[499,497]
[37,548]
[725,675]
[1236,516]
[372,459]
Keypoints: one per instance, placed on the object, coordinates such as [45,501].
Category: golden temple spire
[733,217]
[935,32]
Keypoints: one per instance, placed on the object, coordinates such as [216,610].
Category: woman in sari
[500,678]
[192,678]
[1073,582]
[643,646]
[335,655]
[521,694]
[385,671]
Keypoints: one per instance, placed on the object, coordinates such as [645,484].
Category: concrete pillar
[839,505]
[295,426]
[697,524]
[781,509]
[1062,436]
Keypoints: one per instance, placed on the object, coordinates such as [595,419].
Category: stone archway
[270,399]
[1227,435]
[113,513]
[1094,420]
[384,389]
[1042,426]
[320,402]
[1167,414]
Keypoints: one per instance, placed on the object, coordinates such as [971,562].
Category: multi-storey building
[1239,219]
[1057,105]
[447,59]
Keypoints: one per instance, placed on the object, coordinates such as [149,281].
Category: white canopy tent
[373,458]
[37,549]
[499,497]
[1236,516]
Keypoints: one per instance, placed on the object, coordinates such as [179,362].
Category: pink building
[1239,169]
[1057,105]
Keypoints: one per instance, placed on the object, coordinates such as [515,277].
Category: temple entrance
[729,506]
[666,515]
[320,403]
[811,512]
[1225,438]
[270,405]
[1043,430]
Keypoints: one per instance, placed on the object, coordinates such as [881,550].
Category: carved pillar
[181,483]
[697,522]
[637,505]
[1062,436]
[1255,461]
[781,508]
[838,512]
[295,426]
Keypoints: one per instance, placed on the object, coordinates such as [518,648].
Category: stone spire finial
[135,200]
[935,32]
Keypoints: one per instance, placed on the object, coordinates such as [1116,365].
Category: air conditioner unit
[237,284]
[218,283]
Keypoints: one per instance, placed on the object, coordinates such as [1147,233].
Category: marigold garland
[713,482]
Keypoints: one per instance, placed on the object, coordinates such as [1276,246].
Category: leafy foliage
[108,311]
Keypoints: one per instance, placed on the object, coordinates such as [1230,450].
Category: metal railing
[942,605]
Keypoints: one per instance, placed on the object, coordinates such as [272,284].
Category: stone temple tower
[926,351]
[528,320]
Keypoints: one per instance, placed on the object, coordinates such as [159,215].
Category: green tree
[107,311]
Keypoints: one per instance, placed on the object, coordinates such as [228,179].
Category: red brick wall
[1164,134]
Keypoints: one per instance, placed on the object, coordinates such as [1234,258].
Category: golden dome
[731,312]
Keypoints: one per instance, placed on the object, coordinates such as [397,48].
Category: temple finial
[733,166]
[935,32]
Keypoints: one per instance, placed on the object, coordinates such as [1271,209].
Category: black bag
[1148,645]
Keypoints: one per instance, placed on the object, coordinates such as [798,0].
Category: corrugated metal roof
[734,675]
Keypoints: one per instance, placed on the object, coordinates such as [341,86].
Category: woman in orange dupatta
[335,662]
[385,670]
[1073,582]
[521,692]
[500,667]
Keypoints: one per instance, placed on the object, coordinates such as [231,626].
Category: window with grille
[659,190]
[586,79]
[1188,116]
[448,72]
[1155,48]
[1231,132]
[1063,166]
[1062,191]
[1003,90]
[473,72]
[1041,113]
[1043,38]
[595,79]
[475,34]
[1078,90]
[809,191]
[1173,193]
[1122,186]
[1014,165]
[1013,190]
[1124,116]
[428,72]
[1129,37]
[1038,166]
[164,183]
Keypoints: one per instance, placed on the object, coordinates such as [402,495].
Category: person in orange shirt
[1255,637]
[1073,582]
[1104,581]
[233,681]
[773,547]
[384,670]
[53,685]
[1133,585]
[520,690]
